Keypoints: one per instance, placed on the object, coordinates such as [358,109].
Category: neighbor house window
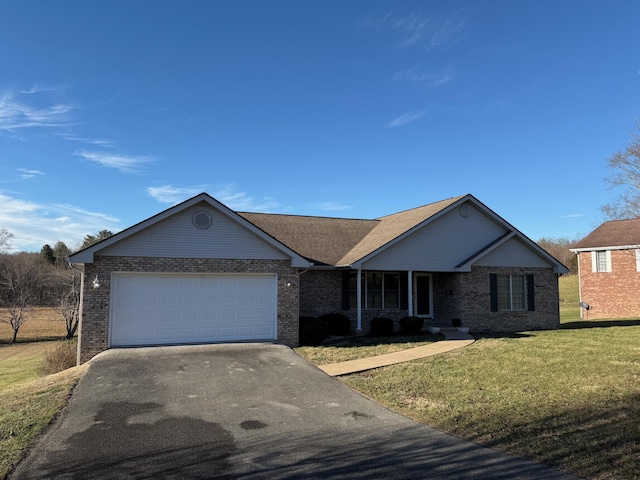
[379,290]
[512,293]
[601,260]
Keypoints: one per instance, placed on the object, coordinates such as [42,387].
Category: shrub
[337,324]
[59,358]
[411,325]
[312,331]
[381,327]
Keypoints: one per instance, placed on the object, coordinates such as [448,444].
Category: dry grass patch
[26,409]
[43,323]
[20,362]
[363,347]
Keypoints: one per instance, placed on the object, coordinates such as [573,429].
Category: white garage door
[172,309]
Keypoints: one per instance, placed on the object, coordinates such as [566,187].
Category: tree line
[44,279]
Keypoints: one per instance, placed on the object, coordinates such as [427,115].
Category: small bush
[337,324]
[411,325]
[59,358]
[312,331]
[381,327]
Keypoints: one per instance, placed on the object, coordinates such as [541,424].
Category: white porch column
[410,292]
[359,300]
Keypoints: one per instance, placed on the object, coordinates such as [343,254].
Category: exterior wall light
[96,282]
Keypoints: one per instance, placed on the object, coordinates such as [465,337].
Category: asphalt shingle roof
[341,241]
[616,233]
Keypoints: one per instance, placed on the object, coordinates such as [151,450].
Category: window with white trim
[601,260]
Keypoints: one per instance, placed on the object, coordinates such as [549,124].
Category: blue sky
[112,111]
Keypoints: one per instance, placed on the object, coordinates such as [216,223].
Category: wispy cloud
[417,30]
[100,142]
[228,194]
[405,118]
[573,215]
[16,114]
[430,78]
[123,163]
[34,225]
[40,89]
[238,200]
[331,206]
[173,194]
[26,173]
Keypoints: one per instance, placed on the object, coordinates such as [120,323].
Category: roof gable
[615,233]
[173,233]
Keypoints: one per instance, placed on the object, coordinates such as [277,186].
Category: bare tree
[5,239]
[21,278]
[559,248]
[69,305]
[626,177]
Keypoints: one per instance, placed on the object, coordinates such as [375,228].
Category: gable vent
[202,220]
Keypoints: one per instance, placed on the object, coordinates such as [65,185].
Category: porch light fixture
[96,282]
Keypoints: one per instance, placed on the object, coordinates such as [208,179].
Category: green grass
[569,398]
[363,347]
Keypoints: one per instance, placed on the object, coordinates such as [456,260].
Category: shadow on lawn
[599,324]
[596,439]
[367,340]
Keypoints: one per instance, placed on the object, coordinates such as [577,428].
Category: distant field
[569,298]
[42,324]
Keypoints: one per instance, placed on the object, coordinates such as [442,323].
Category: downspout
[410,292]
[359,300]
[580,287]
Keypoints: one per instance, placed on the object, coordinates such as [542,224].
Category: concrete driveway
[245,411]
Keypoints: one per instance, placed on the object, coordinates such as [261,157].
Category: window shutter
[531,303]
[345,289]
[594,262]
[493,290]
[404,291]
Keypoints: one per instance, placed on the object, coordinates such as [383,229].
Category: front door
[423,295]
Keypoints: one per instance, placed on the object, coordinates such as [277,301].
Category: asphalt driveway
[244,411]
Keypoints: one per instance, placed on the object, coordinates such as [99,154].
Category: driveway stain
[107,447]
[253,425]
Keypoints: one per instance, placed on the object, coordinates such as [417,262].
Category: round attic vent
[202,220]
[465,211]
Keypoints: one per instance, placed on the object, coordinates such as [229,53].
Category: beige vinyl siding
[177,237]
[441,244]
[513,253]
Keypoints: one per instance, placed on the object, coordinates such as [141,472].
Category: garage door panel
[170,309]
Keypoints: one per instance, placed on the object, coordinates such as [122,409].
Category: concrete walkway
[453,339]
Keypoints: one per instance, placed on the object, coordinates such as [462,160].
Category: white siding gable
[178,237]
[441,244]
[513,253]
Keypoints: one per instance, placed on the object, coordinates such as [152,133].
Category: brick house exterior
[200,272]
[609,271]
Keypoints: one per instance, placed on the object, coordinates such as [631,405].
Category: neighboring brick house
[609,270]
[200,272]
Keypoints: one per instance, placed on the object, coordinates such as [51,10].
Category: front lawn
[569,398]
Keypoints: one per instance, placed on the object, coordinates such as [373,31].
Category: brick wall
[475,301]
[94,326]
[614,294]
[465,296]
